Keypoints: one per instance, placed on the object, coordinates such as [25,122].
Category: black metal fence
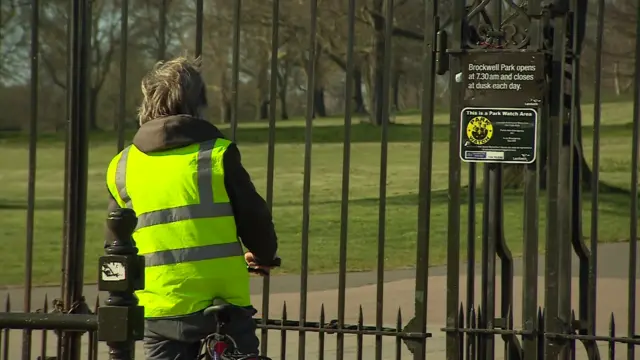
[543,39]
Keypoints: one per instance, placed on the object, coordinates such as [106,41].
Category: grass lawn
[402,185]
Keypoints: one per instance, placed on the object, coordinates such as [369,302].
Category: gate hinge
[78,307]
[500,323]
[579,326]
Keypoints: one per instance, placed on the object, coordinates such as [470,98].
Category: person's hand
[250,259]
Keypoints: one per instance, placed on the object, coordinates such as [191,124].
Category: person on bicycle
[194,200]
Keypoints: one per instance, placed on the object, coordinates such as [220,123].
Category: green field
[326,174]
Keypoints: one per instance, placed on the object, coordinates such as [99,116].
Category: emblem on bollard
[113,271]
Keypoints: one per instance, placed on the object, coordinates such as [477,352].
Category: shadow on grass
[329,134]
[609,203]
[411,199]
[366,133]
[45,204]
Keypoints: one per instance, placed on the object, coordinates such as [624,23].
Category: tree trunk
[93,110]
[225,108]
[225,111]
[359,107]
[616,78]
[378,67]
[284,112]
[283,85]
[319,108]
[225,101]
[396,90]
[262,107]
[396,75]
[264,110]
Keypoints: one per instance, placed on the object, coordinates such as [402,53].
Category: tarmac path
[399,294]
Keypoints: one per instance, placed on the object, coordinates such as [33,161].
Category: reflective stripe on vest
[207,208]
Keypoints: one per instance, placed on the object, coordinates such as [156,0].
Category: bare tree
[104,42]
[14,37]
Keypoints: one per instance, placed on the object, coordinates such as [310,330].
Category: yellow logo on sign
[479,130]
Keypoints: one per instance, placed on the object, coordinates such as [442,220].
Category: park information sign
[498,135]
[504,79]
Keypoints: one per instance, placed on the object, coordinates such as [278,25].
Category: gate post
[121,321]
[501,83]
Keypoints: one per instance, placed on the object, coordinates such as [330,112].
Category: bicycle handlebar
[272,264]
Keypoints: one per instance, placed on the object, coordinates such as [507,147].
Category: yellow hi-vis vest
[186,229]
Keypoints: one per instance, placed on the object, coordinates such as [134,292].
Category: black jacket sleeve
[253,218]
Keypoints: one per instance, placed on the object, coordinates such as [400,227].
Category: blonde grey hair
[173,87]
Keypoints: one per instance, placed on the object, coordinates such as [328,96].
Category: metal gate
[514,70]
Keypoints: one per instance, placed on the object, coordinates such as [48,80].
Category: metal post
[121,321]
[199,26]
[124,53]
[271,150]
[76,185]
[235,66]
[162,42]
[453,211]
[31,187]
[554,239]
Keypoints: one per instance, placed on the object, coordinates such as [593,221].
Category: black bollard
[121,321]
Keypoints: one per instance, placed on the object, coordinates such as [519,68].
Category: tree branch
[51,70]
[397,31]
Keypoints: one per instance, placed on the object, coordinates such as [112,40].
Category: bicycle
[219,346]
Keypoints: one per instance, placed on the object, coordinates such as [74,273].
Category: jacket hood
[173,132]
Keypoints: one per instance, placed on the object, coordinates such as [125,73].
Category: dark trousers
[179,338]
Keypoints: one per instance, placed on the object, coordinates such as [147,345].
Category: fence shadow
[321,134]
